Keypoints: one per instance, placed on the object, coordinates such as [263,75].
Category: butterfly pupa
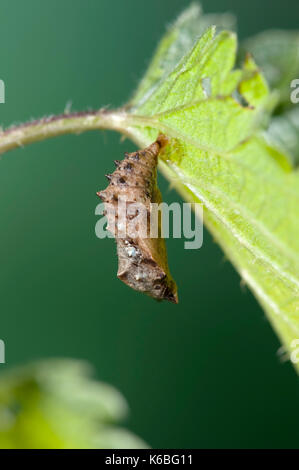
[142,259]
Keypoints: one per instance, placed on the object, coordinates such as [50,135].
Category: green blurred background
[204,373]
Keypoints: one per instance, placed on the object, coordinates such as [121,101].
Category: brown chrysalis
[129,198]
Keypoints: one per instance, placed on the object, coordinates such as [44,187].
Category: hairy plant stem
[76,123]
[71,123]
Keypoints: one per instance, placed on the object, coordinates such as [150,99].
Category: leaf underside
[227,152]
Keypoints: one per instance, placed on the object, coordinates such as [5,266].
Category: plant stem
[72,123]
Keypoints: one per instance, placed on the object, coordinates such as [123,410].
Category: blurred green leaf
[56,404]
[284,133]
[277,53]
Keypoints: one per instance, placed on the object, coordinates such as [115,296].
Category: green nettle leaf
[220,154]
[176,42]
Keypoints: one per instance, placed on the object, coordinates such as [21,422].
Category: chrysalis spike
[102,195]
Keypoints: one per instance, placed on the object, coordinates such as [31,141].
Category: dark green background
[204,373]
